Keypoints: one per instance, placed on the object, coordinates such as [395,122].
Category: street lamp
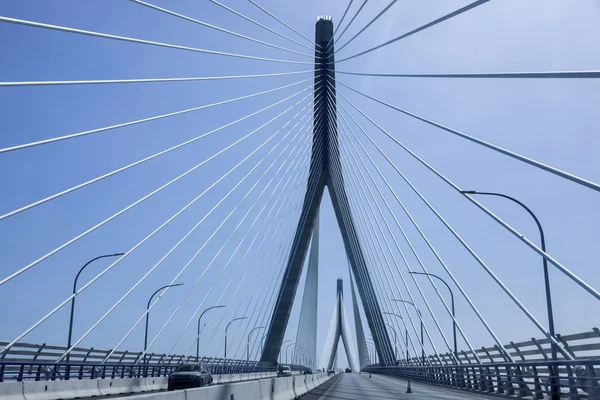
[452,300]
[421,319]
[73,299]
[198,334]
[395,341]
[555,387]
[282,343]
[262,343]
[248,345]
[373,351]
[226,328]
[286,351]
[148,313]
[405,331]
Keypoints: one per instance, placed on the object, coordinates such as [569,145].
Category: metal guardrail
[36,371]
[25,361]
[528,376]
[581,346]
[577,378]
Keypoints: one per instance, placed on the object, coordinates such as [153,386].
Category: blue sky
[553,121]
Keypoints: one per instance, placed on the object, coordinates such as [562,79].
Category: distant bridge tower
[340,331]
[325,170]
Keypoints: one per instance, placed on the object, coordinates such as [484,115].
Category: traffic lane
[361,387]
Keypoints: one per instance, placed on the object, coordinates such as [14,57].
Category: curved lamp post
[452,300]
[555,386]
[286,351]
[395,340]
[198,334]
[148,314]
[373,349]
[421,320]
[70,336]
[248,344]
[226,328]
[405,331]
[282,343]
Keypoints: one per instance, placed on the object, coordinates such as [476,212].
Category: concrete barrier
[301,387]
[282,389]
[230,391]
[121,385]
[174,395]
[157,383]
[11,391]
[50,390]
[261,386]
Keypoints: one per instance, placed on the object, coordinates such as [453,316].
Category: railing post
[573,394]
[80,376]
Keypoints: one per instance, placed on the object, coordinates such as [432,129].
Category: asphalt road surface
[379,387]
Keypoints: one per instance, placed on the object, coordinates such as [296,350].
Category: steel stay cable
[139,121]
[231,10]
[406,238]
[339,24]
[208,240]
[364,273]
[164,257]
[262,242]
[149,80]
[77,292]
[286,251]
[386,302]
[212,311]
[390,4]
[355,243]
[402,231]
[288,246]
[379,276]
[282,22]
[196,226]
[69,242]
[141,41]
[468,248]
[76,238]
[421,28]
[247,287]
[509,75]
[279,206]
[244,237]
[187,18]
[547,168]
[114,172]
[386,298]
[386,279]
[479,315]
[529,243]
[277,273]
[348,26]
[397,246]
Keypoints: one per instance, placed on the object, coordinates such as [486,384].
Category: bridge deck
[379,387]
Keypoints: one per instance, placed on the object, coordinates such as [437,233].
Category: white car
[285,371]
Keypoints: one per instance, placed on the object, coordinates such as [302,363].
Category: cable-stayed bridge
[164,169]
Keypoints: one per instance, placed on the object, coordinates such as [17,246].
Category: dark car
[308,371]
[348,370]
[190,376]
[330,372]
